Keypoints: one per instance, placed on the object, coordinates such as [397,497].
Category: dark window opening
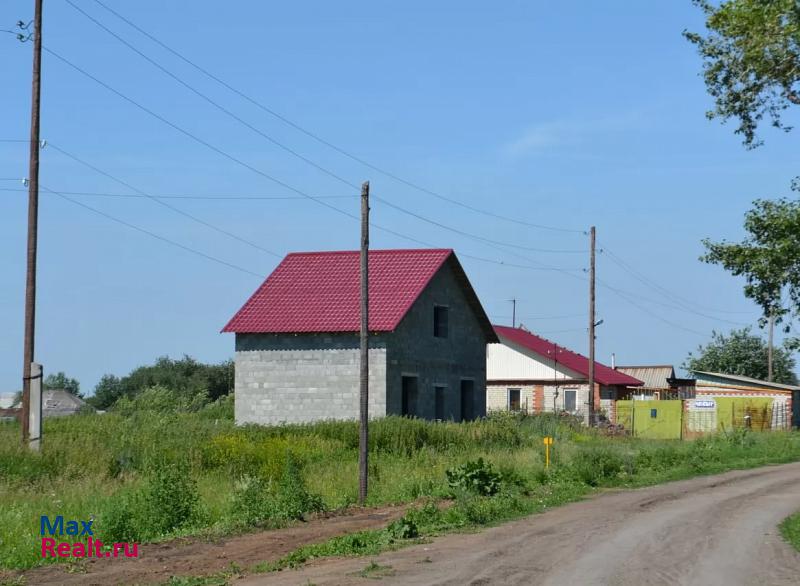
[440,321]
[409,407]
[438,396]
[467,398]
[570,399]
[513,399]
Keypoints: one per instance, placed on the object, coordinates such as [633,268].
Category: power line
[291,151]
[663,291]
[184,196]
[211,101]
[330,145]
[165,204]
[154,235]
[248,166]
[545,317]
[467,234]
[677,307]
[623,296]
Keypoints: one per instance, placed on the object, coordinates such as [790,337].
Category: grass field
[150,476]
[790,529]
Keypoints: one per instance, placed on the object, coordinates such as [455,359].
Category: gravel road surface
[708,531]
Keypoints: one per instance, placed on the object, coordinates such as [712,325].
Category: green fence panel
[651,419]
[738,412]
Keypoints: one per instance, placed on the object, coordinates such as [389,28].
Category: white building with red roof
[526,372]
[297,339]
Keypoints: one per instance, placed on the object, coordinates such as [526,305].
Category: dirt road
[716,530]
[196,557]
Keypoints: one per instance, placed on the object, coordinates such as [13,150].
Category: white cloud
[569,133]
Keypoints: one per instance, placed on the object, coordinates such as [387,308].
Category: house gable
[510,362]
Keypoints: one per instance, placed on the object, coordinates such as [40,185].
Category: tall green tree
[59,381]
[768,258]
[751,61]
[744,353]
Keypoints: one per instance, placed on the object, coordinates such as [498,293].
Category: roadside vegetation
[158,467]
[790,529]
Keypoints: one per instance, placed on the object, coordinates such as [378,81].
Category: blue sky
[562,115]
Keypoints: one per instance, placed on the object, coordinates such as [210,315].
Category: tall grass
[151,476]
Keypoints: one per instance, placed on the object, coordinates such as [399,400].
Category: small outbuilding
[659,381]
[744,400]
[297,339]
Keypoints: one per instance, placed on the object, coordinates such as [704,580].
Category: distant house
[659,381]
[297,342]
[526,372]
[7,400]
[59,403]
[785,399]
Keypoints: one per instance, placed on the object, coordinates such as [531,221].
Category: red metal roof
[319,291]
[572,360]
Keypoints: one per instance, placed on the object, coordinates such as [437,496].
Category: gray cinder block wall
[304,377]
[296,378]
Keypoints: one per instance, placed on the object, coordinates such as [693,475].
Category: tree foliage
[187,378]
[60,381]
[768,258]
[751,61]
[742,353]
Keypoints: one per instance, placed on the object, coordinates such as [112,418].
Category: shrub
[293,499]
[594,465]
[474,476]
[168,501]
[160,399]
[252,502]
[404,528]
[256,500]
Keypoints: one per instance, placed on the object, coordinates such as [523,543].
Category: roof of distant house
[61,402]
[603,374]
[320,292]
[653,377]
[746,379]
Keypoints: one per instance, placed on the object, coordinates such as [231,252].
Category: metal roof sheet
[320,292]
[747,379]
[653,377]
[572,360]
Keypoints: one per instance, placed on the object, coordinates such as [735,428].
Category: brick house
[297,340]
[783,399]
[526,372]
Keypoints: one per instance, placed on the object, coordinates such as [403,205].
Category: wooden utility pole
[363,438]
[33,222]
[590,414]
[770,344]
[513,313]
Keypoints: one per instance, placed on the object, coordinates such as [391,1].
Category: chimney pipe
[613,360]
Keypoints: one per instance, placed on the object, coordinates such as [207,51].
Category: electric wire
[643,309]
[663,291]
[288,149]
[160,202]
[327,143]
[248,166]
[189,197]
[154,235]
